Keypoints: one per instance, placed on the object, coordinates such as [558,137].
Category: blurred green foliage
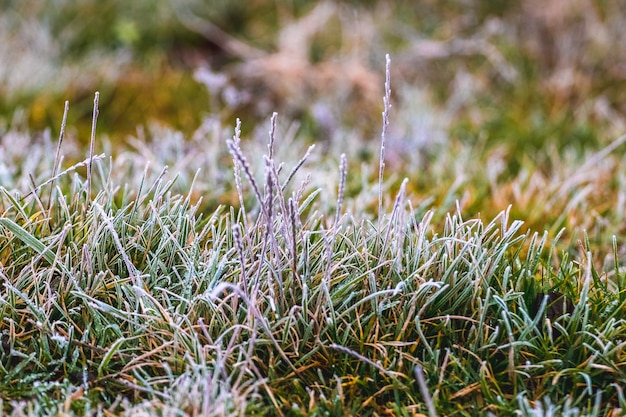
[536,72]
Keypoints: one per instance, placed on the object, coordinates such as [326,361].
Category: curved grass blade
[28,239]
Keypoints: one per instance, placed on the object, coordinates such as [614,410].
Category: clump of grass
[137,299]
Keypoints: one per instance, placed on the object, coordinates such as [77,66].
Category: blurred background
[520,73]
[495,102]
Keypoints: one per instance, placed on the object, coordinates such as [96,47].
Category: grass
[295,290]
[210,269]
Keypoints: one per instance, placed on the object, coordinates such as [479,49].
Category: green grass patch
[123,294]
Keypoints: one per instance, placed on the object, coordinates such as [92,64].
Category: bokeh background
[495,102]
[518,72]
